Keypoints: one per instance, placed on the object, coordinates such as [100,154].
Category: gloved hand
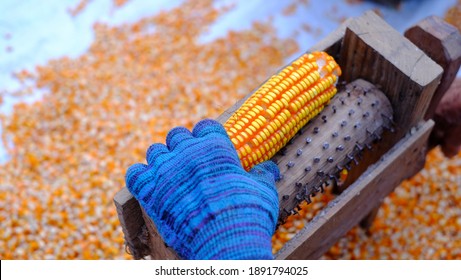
[204,204]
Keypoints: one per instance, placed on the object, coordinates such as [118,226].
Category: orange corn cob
[273,114]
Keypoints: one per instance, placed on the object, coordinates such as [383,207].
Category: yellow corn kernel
[242,152]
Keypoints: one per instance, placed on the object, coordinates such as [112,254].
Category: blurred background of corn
[86,86]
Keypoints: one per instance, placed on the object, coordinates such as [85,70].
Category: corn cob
[273,114]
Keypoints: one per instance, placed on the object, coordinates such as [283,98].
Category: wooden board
[158,249]
[132,222]
[376,52]
[405,159]
[442,43]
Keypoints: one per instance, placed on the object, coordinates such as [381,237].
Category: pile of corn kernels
[421,219]
[101,111]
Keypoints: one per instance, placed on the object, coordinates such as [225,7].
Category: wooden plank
[133,226]
[158,249]
[374,51]
[442,43]
[360,198]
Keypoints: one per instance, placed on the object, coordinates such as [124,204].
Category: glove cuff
[236,235]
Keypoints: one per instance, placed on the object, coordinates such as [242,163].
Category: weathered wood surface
[442,43]
[401,162]
[158,249]
[376,52]
[132,222]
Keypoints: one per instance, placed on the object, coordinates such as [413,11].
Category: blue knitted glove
[204,204]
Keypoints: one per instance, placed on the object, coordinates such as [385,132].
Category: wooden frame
[365,47]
